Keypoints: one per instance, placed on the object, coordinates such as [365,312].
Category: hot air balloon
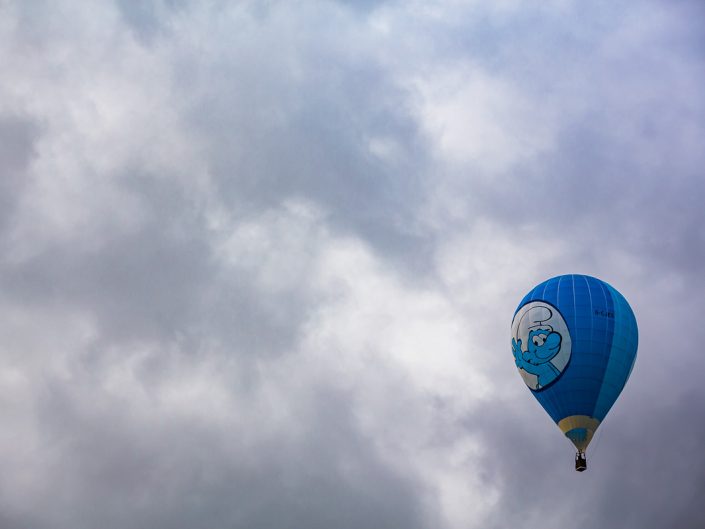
[574,341]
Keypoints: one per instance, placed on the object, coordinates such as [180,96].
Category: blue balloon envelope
[574,340]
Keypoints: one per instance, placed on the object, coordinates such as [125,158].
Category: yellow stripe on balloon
[572,422]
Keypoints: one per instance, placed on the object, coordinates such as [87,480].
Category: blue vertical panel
[622,354]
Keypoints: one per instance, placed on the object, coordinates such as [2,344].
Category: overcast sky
[259,260]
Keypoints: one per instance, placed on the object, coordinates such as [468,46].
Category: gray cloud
[18,137]
[258,260]
[145,470]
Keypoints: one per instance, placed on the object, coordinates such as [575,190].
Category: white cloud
[402,352]
[263,262]
[482,122]
[106,113]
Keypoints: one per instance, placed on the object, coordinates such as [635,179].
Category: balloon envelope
[574,340]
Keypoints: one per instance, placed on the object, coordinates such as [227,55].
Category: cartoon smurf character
[543,345]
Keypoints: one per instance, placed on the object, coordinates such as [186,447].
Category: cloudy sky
[259,259]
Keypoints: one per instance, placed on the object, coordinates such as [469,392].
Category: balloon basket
[580,461]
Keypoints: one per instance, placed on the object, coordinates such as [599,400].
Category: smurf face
[540,343]
[543,344]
